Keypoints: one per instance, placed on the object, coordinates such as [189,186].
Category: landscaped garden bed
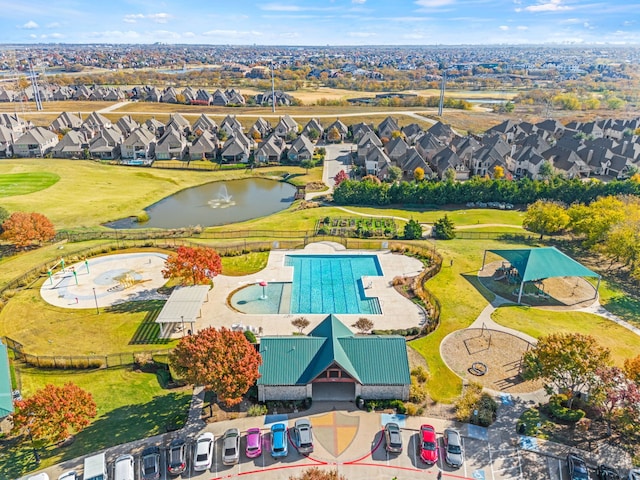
[357,227]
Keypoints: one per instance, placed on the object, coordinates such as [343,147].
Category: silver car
[231,447]
[303,436]
[453,452]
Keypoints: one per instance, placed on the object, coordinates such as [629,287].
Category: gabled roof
[298,360]
[545,262]
[38,136]
[6,398]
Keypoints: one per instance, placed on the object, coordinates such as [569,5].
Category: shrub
[250,336]
[164,377]
[472,400]
[412,409]
[560,412]
[420,374]
[417,391]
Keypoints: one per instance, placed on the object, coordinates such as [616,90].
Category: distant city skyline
[322,22]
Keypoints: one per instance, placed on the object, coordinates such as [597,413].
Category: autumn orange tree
[199,264]
[222,360]
[24,229]
[54,413]
[314,473]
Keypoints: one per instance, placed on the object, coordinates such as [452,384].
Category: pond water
[216,203]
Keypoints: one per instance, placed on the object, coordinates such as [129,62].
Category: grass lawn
[89,193]
[47,330]
[462,298]
[536,322]
[24,183]
[121,395]
[625,306]
[244,264]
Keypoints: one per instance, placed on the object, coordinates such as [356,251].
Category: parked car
[428,444]
[177,457]
[39,476]
[634,474]
[123,469]
[453,452]
[203,455]
[254,443]
[279,440]
[231,447]
[605,472]
[150,463]
[70,475]
[303,436]
[392,438]
[577,467]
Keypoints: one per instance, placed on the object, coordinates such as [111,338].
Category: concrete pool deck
[398,312]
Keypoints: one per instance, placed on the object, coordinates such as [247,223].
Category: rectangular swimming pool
[332,283]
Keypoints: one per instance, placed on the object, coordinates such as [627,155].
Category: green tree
[4,214]
[615,103]
[443,229]
[567,362]
[595,220]
[546,170]
[509,107]
[333,135]
[395,173]
[449,175]
[221,360]
[546,218]
[412,230]
[307,164]
[313,134]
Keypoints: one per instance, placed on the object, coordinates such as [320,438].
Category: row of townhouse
[188,95]
[69,136]
[577,150]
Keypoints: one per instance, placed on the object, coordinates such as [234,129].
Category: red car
[428,444]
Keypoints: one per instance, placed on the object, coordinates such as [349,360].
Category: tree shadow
[163,413]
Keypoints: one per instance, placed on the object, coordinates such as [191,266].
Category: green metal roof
[6,399]
[297,360]
[546,262]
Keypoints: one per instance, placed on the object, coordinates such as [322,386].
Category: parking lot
[364,458]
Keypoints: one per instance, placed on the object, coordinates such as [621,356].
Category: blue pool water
[321,284]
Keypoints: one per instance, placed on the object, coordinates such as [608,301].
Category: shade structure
[183,307]
[535,264]
[6,397]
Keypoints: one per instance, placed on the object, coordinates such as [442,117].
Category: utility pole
[442,87]
[273,90]
[34,83]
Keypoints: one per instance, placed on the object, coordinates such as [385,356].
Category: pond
[216,203]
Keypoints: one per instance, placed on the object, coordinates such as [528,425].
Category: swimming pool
[321,284]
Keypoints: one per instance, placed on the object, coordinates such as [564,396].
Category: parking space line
[464,463]
[491,462]
[560,468]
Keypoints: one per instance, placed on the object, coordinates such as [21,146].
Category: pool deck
[397,311]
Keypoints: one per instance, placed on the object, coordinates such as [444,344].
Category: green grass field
[622,342]
[121,395]
[244,264]
[12,184]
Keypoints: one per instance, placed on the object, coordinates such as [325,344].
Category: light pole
[96,299]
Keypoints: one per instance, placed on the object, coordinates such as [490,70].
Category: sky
[321,22]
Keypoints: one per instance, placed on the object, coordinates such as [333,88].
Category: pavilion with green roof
[6,397]
[331,363]
[536,264]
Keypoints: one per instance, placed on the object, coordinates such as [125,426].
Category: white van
[123,469]
[95,467]
[39,476]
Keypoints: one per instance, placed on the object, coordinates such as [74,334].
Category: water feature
[216,204]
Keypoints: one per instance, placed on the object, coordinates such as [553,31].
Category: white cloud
[53,25]
[503,27]
[434,3]
[54,36]
[188,35]
[548,6]
[361,34]
[279,7]
[413,36]
[30,25]
[359,2]
[522,27]
[154,17]
[231,33]
[33,35]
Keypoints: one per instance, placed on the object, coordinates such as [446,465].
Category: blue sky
[321,22]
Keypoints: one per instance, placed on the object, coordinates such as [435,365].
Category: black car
[392,438]
[577,467]
[605,472]
[150,463]
[177,457]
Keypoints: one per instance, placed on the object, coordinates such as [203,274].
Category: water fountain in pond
[223,200]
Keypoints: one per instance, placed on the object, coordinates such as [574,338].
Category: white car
[70,475]
[453,452]
[231,447]
[203,455]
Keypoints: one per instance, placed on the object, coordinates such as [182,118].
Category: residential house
[331,363]
[179,123]
[204,147]
[281,98]
[172,145]
[411,132]
[231,125]
[7,138]
[342,129]
[155,126]
[106,144]
[170,95]
[270,150]
[412,160]
[428,145]
[260,129]
[202,97]
[72,145]
[36,142]
[376,162]
[442,132]
[126,124]
[235,149]
[66,121]
[94,123]
[313,125]
[387,127]
[14,123]
[286,126]
[139,146]
[367,142]
[448,159]
[204,124]
[396,149]
[189,95]
[358,130]
[234,97]
[219,99]
[301,149]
